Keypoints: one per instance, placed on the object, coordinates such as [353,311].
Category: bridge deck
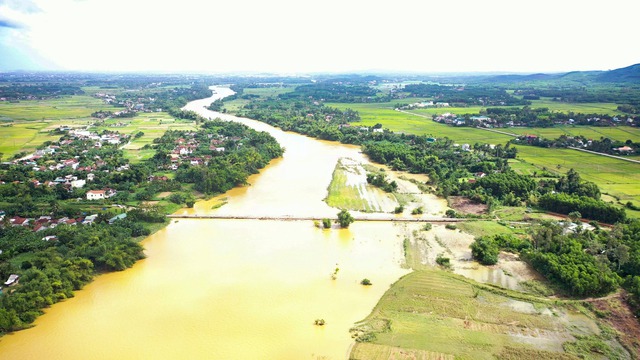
[302,218]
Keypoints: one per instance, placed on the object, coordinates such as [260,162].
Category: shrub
[345,219]
[177,198]
[326,223]
[365,281]
[485,250]
[398,209]
[427,227]
[451,226]
[417,211]
[443,261]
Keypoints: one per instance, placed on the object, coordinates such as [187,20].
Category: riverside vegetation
[587,263]
[582,262]
[55,241]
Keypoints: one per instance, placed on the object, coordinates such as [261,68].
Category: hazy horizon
[288,37]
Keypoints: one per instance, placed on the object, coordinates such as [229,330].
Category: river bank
[234,288]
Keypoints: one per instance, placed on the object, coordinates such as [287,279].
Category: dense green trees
[502,184]
[53,269]
[380,180]
[469,95]
[588,207]
[345,218]
[485,250]
[246,151]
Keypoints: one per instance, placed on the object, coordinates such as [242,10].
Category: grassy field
[434,312]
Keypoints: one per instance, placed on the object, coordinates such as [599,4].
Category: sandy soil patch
[164,194]
[431,204]
[465,205]
[454,244]
[620,317]
[377,199]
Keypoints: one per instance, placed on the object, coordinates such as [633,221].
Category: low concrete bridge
[312,218]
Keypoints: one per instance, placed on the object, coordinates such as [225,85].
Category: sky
[304,36]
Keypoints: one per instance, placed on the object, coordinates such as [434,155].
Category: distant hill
[626,74]
[531,77]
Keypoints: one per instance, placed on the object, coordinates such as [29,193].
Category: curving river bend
[234,289]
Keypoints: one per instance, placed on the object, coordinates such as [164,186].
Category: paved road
[607,155]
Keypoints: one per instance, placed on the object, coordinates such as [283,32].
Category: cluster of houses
[52,158]
[129,105]
[186,149]
[450,119]
[425,104]
[361,128]
[111,137]
[48,222]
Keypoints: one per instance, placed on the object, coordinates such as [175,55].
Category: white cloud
[332,35]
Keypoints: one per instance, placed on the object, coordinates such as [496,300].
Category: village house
[100,194]
[117,217]
[624,149]
[13,280]
[19,221]
[89,219]
[78,184]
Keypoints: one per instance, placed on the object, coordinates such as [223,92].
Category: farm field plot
[153,125]
[269,91]
[415,124]
[69,107]
[586,108]
[438,314]
[615,177]
[621,133]
[24,136]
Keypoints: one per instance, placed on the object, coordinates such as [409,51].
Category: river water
[234,289]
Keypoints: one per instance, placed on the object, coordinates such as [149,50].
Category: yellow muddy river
[233,289]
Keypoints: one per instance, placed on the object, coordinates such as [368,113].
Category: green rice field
[433,314]
[25,136]
[620,133]
[586,108]
[153,125]
[69,107]
[26,124]
[420,124]
[618,178]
